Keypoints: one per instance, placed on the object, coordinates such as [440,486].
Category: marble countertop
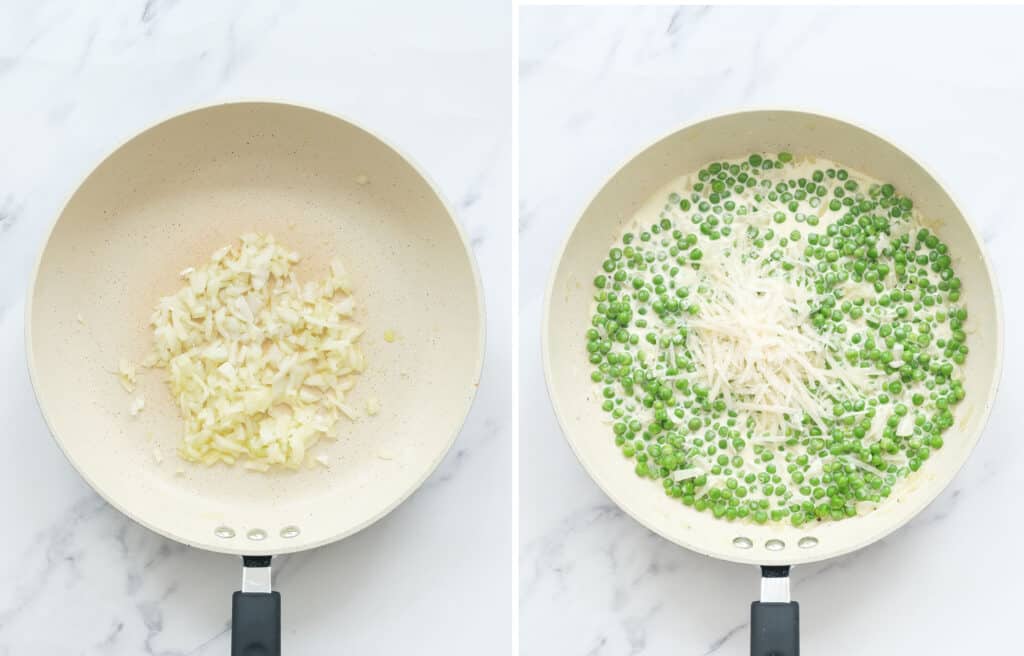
[77,78]
[598,84]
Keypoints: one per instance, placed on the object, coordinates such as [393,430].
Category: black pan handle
[775,620]
[256,612]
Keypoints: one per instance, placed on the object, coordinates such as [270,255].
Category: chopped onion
[126,375]
[258,364]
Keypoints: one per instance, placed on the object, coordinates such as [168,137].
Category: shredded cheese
[753,343]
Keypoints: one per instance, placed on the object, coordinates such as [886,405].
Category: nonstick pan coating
[568,312]
[167,199]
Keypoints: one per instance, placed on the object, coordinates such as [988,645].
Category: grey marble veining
[598,84]
[78,78]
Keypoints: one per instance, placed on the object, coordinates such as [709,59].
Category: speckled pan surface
[168,198]
[567,318]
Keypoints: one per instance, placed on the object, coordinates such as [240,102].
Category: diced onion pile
[258,363]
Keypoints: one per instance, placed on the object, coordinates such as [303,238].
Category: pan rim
[790,558]
[477,289]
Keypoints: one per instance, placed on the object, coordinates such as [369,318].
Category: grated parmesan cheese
[753,344]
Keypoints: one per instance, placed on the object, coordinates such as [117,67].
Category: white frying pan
[774,627]
[164,201]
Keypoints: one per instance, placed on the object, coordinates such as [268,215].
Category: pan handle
[256,612]
[775,620]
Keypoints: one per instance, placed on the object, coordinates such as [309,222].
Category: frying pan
[774,620]
[166,200]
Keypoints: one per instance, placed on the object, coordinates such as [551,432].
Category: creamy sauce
[749,338]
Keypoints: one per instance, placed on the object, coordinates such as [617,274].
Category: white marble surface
[597,84]
[434,577]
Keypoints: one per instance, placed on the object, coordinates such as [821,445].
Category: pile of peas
[908,335]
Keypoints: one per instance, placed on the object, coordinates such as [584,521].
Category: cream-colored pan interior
[568,313]
[165,201]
